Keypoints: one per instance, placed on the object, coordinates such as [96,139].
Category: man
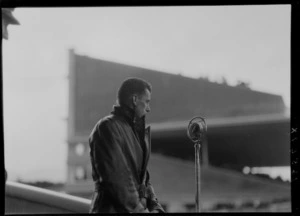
[7,18]
[119,153]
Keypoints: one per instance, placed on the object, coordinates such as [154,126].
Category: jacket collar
[124,111]
[129,114]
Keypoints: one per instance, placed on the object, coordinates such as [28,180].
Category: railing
[38,198]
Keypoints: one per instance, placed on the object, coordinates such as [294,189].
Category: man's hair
[130,87]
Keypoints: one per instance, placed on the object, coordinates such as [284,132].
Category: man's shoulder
[109,120]
[103,123]
[105,120]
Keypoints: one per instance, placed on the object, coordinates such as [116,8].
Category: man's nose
[148,109]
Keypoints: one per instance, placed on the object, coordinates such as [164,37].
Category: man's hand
[146,211]
[155,211]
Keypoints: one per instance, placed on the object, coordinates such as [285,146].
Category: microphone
[196,129]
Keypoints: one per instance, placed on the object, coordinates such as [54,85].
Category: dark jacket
[119,153]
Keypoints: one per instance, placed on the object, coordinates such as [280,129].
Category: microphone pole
[196,131]
[198,175]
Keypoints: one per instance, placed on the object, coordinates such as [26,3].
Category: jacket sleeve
[152,201]
[110,163]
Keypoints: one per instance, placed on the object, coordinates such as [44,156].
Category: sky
[247,43]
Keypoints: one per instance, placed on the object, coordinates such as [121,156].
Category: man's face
[142,104]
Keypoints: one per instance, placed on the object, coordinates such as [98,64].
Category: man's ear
[134,100]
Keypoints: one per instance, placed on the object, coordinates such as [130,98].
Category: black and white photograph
[147,109]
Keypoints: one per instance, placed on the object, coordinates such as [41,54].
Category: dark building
[94,83]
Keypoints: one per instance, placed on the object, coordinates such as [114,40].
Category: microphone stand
[196,131]
[197,175]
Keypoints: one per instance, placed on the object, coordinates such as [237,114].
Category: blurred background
[229,64]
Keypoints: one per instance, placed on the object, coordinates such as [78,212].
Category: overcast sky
[248,43]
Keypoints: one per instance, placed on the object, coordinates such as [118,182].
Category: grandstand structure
[245,128]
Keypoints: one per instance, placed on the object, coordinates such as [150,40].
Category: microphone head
[196,129]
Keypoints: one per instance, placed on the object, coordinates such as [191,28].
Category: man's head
[136,94]
[7,18]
